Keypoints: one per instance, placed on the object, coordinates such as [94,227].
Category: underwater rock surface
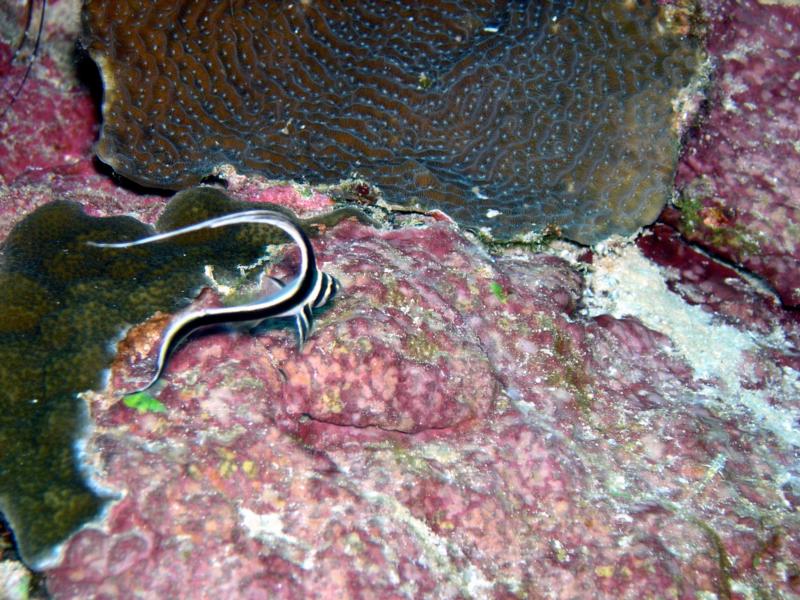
[455,427]
[739,178]
[636,435]
[510,115]
[53,121]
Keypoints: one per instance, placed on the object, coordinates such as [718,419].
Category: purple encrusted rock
[50,121]
[739,178]
[621,423]
[585,460]
[442,435]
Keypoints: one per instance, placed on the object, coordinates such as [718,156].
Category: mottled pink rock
[435,439]
[458,426]
[718,288]
[740,174]
[52,121]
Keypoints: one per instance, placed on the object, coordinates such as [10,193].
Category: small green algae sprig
[498,292]
[144,403]
[63,304]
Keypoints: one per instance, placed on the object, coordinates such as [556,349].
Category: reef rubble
[618,422]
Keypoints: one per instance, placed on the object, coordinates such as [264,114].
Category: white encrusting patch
[437,553]
[267,528]
[625,283]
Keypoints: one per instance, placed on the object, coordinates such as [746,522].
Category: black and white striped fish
[310,288]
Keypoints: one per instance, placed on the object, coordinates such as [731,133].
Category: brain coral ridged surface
[544,112]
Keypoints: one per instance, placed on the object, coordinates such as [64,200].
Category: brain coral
[506,114]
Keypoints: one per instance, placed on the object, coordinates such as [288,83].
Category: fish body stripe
[328,289]
[309,288]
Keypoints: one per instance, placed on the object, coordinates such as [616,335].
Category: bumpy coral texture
[596,465]
[544,112]
[435,440]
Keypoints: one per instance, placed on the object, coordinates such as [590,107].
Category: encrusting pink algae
[616,422]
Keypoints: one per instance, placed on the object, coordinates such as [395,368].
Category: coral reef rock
[620,423]
[739,178]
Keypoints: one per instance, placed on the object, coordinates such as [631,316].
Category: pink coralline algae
[740,175]
[51,122]
[433,439]
[716,287]
[620,423]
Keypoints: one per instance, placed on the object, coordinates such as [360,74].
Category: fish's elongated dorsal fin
[298,297]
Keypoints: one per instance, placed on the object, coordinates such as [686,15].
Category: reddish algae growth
[613,423]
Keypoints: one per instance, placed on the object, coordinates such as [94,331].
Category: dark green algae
[63,306]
